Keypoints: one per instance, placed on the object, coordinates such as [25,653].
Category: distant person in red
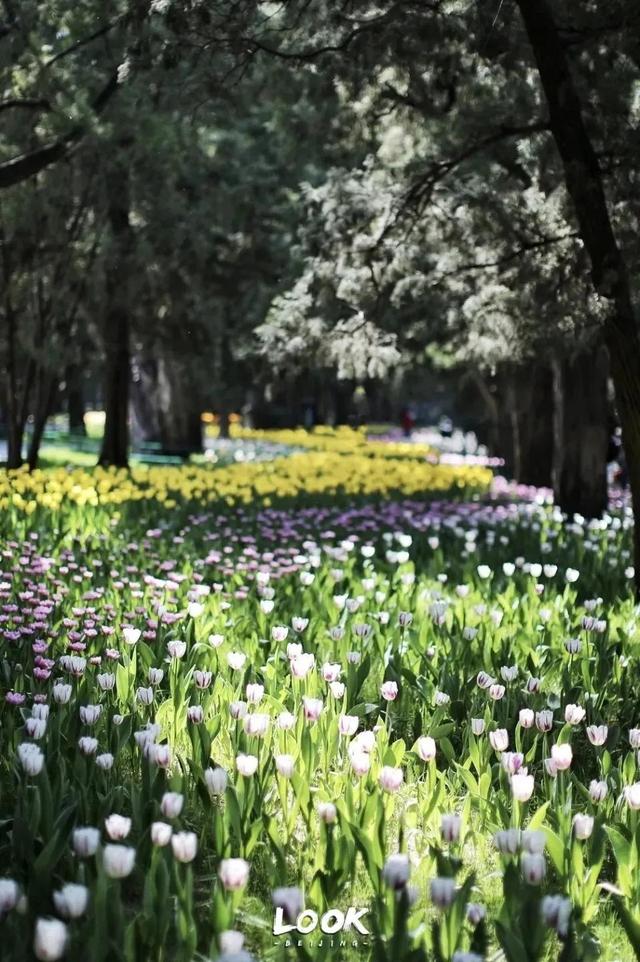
[407,422]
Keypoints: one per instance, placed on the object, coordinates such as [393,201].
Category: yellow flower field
[343,439]
[363,471]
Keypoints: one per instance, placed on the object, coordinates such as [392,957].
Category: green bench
[151,452]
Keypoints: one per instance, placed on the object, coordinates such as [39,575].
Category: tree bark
[75,402]
[178,410]
[17,393]
[164,408]
[507,435]
[115,442]
[583,178]
[223,425]
[534,398]
[144,405]
[45,394]
[581,432]
[15,426]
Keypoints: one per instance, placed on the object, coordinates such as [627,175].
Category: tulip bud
[50,939]
[184,846]
[35,728]
[396,870]
[254,693]
[285,765]
[87,745]
[597,734]
[507,841]
[85,841]
[526,718]
[312,708]
[556,913]
[290,901]
[237,709]
[484,680]
[171,804]
[477,726]
[562,756]
[286,720]
[631,795]
[360,761]
[216,780]
[71,900]
[202,679]
[161,834]
[327,812]
[582,826]
[522,787]
[331,672]
[533,867]
[574,714]
[544,720]
[9,895]
[117,826]
[247,765]
[233,873]
[499,739]
[533,841]
[118,860]
[231,942]
[598,791]
[31,758]
[389,690]
[256,724]
[443,892]
[62,692]
[426,748]
[513,763]
[475,913]
[348,725]
[450,827]
[390,779]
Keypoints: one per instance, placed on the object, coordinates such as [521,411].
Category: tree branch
[84,41]
[513,255]
[21,168]
[423,186]
[26,103]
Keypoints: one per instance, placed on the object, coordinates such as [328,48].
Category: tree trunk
[44,401]
[15,410]
[581,432]
[524,423]
[583,178]
[535,424]
[178,410]
[115,442]
[75,402]
[472,392]
[223,425]
[15,425]
[144,407]
[164,407]
[507,444]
